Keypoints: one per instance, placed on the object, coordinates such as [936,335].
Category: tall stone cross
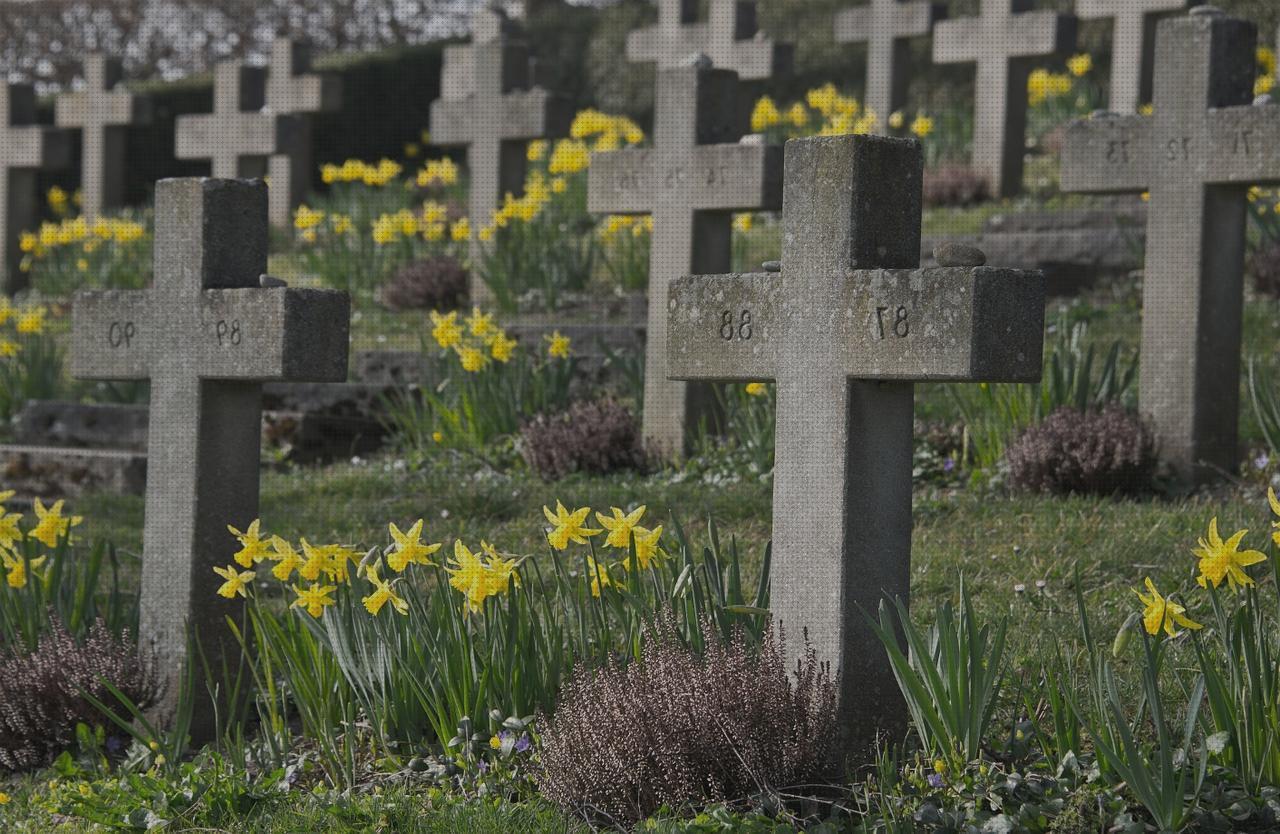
[239,136]
[102,111]
[27,148]
[1132,45]
[730,37]
[692,180]
[206,334]
[292,88]
[886,26]
[1004,41]
[494,119]
[1197,155]
[845,330]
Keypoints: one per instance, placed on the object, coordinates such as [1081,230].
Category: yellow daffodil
[502,347]
[472,359]
[756,389]
[568,526]
[500,572]
[382,594]
[1161,613]
[408,548]
[286,558]
[647,549]
[315,561]
[31,323]
[9,348]
[446,330]
[897,119]
[798,115]
[558,347]
[236,581]
[742,223]
[599,576]
[468,576]
[461,230]
[6,494]
[1080,64]
[479,323]
[253,548]
[537,150]
[17,567]
[53,525]
[765,115]
[569,157]
[9,530]
[620,526]
[1219,559]
[314,599]
[922,126]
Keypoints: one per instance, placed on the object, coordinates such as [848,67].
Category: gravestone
[207,335]
[500,112]
[1005,40]
[1133,39]
[102,111]
[28,148]
[885,26]
[1197,155]
[845,330]
[692,180]
[292,88]
[730,37]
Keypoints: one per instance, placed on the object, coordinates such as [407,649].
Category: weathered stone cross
[292,88]
[494,121]
[206,335]
[691,181]
[885,26]
[238,136]
[102,111]
[730,37]
[1004,41]
[846,329]
[1132,45]
[27,148]
[1196,155]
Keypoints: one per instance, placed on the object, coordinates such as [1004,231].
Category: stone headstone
[292,88]
[206,335]
[28,148]
[885,26]
[1005,41]
[102,111]
[692,180]
[499,112]
[730,37]
[845,329]
[1197,155]
[1133,41]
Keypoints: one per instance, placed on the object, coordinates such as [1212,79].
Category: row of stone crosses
[845,324]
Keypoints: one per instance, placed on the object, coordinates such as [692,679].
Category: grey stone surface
[1133,40]
[845,329]
[206,336]
[730,37]
[102,111]
[952,253]
[292,88]
[1006,42]
[692,180]
[886,26]
[81,425]
[1197,155]
[61,472]
[499,113]
[27,148]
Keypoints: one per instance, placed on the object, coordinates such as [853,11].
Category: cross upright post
[1197,155]
[1004,40]
[885,26]
[691,181]
[493,121]
[292,88]
[28,148]
[1132,45]
[102,111]
[730,37]
[845,330]
[207,335]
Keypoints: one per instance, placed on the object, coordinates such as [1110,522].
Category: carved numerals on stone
[228,332]
[736,327]
[674,178]
[891,322]
[120,334]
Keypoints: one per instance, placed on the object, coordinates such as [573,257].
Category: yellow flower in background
[756,389]
[315,561]
[6,494]
[620,525]
[253,548]
[337,560]
[1079,65]
[823,98]
[1224,560]
[1275,508]
[559,185]
[606,142]
[408,548]
[631,132]
[10,533]
[385,230]
[589,122]
[8,348]
[922,125]
[1266,75]
[473,359]
[412,149]
[537,150]
[31,322]
[461,230]
[486,234]
[798,115]
[314,599]
[742,222]
[53,525]
[1160,613]
[445,329]
[286,558]
[382,594]
[765,115]
[569,157]
[897,119]
[568,526]
[647,549]
[235,583]
[16,567]
[559,345]
[307,218]
[502,347]
[599,576]
[58,200]
[500,573]
[470,576]
[341,224]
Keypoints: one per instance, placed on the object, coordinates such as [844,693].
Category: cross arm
[623,182]
[657,43]
[1244,145]
[35,146]
[108,339]
[1108,154]
[959,40]
[1033,34]
[87,107]
[736,177]
[256,134]
[724,327]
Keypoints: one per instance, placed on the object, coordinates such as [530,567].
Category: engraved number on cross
[1241,141]
[628,181]
[1118,151]
[1178,149]
[739,328]
[900,326]
[121,333]
[228,332]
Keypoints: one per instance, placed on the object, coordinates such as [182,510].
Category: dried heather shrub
[595,437]
[437,283]
[681,730]
[1265,266]
[1094,452]
[953,185]
[40,700]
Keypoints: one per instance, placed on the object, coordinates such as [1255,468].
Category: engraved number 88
[741,328]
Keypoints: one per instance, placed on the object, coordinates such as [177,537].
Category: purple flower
[935,780]
[523,743]
[484,766]
[948,465]
[115,744]
[1261,461]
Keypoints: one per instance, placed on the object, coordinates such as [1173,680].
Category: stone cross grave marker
[501,112]
[845,330]
[730,37]
[27,148]
[239,136]
[1132,45]
[885,26]
[1197,155]
[206,334]
[1004,40]
[102,111]
[691,181]
[292,88]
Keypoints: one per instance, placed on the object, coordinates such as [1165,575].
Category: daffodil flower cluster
[476,340]
[375,175]
[51,529]
[538,191]
[1043,85]
[616,225]
[624,534]
[825,111]
[1266,75]
[437,172]
[62,255]
[17,323]
[431,223]
[311,223]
